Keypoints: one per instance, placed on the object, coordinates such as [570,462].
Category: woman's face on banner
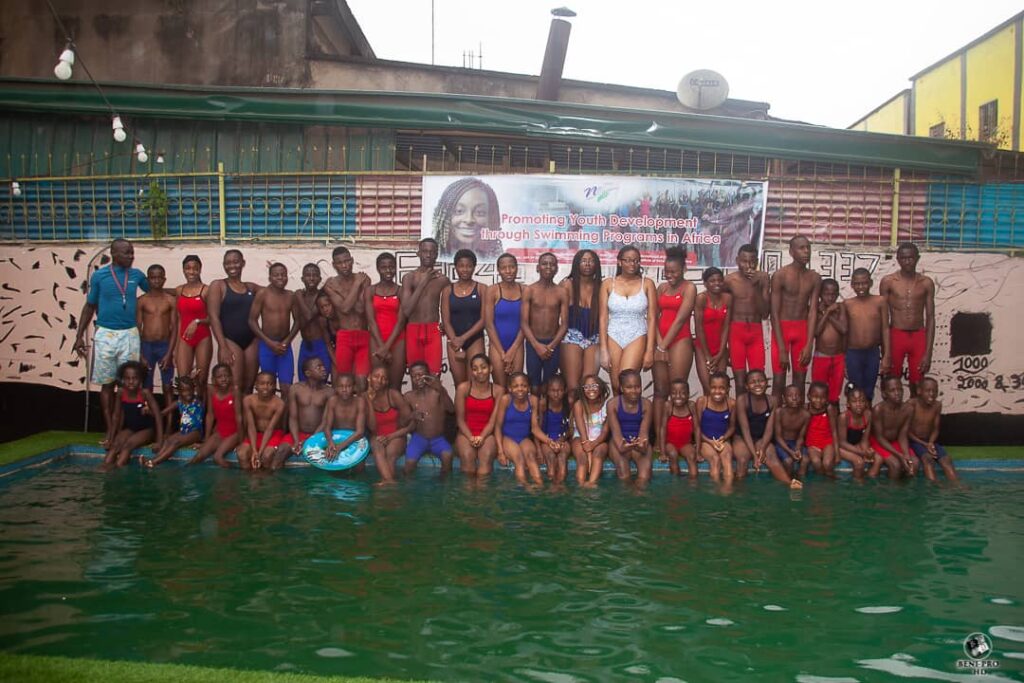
[471,213]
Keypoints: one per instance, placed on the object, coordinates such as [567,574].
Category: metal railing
[831,203]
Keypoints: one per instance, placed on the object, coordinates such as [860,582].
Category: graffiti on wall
[975,359]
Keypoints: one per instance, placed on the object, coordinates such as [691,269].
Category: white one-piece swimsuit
[627,317]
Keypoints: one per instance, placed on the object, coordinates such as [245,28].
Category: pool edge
[93,451]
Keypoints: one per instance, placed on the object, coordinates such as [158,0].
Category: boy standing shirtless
[421,305]
[545,319]
[829,364]
[274,318]
[313,343]
[261,413]
[911,300]
[867,335]
[155,313]
[352,343]
[306,404]
[429,402]
[795,291]
[751,302]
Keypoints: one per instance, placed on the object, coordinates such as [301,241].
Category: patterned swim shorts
[574,336]
[111,348]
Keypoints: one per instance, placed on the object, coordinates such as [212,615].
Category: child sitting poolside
[344,410]
[224,417]
[629,415]
[512,428]
[429,402]
[791,422]
[677,430]
[262,412]
[821,438]
[853,427]
[924,430]
[133,424]
[890,424]
[590,439]
[190,422]
[756,414]
[717,416]
[551,428]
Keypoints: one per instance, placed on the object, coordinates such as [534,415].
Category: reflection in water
[455,580]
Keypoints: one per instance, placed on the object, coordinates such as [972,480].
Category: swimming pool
[462,581]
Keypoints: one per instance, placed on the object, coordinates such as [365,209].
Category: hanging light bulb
[140,153]
[159,158]
[16,188]
[118,127]
[64,64]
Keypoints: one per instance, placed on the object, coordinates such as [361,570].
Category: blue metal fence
[975,216]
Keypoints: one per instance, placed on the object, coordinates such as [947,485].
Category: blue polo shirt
[112,312]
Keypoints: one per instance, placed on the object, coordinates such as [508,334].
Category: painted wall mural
[977,359]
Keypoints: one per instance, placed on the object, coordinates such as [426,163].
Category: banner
[527,215]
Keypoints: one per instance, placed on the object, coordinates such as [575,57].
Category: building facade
[975,93]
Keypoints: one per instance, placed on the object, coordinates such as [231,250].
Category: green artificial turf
[42,442]
[34,669]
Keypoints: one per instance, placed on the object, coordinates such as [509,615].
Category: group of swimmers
[364,338]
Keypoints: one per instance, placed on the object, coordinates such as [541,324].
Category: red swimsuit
[714,318]
[193,308]
[478,412]
[679,431]
[669,305]
[224,413]
[819,432]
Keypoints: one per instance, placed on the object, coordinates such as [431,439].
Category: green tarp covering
[502,116]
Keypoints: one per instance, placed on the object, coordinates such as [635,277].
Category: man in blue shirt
[111,298]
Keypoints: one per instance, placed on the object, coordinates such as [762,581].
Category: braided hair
[442,222]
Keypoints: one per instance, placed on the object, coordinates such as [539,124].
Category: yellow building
[975,93]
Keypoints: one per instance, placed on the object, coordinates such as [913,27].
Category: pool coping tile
[185,454]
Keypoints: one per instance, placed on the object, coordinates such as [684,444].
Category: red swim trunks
[794,337]
[829,370]
[746,346]
[277,437]
[423,343]
[352,352]
[909,344]
[877,448]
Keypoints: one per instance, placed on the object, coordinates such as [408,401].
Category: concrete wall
[200,42]
[260,43]
[408,77]
[42,297]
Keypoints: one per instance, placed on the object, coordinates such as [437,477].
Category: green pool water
[459,581]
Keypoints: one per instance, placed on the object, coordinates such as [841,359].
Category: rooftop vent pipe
[554,55]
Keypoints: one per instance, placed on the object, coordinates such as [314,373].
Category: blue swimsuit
[555,424]
[629,423]
[517,423]
[506,318]
[714,423]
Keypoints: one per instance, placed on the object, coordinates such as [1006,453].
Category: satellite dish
[702,89]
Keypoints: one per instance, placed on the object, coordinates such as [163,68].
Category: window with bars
[988,120]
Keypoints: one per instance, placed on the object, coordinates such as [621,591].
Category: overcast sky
[819,62]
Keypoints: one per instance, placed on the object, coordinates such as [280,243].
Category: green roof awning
[504,116]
